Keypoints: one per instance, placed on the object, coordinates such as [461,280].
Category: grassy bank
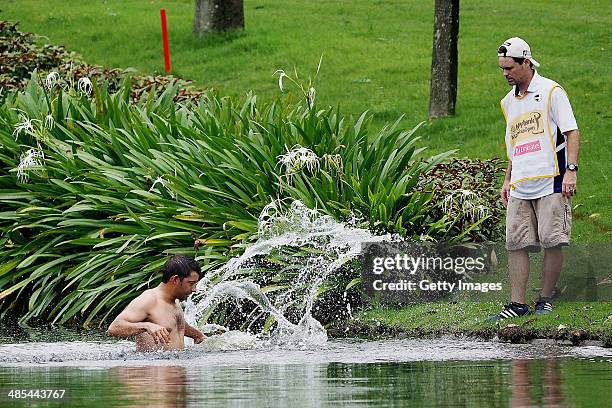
[375,57]
[570,322]
[584,277]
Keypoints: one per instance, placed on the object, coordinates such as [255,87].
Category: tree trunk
[218,15]
[444,60]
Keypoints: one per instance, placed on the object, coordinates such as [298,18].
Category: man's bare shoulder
[148,296]
[139,309]
[145,301]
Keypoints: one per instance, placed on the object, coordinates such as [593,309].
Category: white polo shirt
[560,120]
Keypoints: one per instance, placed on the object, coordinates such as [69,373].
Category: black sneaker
[511,310]
[543,305]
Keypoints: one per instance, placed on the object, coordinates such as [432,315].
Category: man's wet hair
[182,266]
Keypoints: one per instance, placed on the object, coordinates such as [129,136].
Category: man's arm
[505,190]
[131,322]
[194,333]
[563,115]
[573,146]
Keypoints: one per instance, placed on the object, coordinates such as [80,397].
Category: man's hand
[568,188]
[505,192]
[199,337]
[194,333]
[160,334]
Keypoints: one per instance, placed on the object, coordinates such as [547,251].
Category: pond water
[295,365]
[431,373]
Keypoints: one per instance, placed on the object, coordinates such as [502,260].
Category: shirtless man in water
[155,317]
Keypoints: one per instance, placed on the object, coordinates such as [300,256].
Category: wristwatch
[572,167]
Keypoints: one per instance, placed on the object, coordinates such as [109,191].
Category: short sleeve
[561,110]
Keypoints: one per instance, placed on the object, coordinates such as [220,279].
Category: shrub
[104,173]
[96,192]
[466,198]
[21,55]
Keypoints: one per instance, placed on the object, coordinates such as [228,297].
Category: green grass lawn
[376,57]
[584,277]
[470,318]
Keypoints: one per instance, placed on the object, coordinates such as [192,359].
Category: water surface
[432,373]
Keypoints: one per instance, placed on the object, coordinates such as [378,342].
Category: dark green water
[498,383]
[226,371]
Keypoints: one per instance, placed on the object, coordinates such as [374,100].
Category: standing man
[155,318]
[542,142]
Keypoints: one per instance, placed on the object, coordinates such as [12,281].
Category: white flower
[467,203]
[24,125]
[280,78]
[466,194]
[28,160]
[51,80]
[162,181]
[298,158]
[311,96]
[159,180]
[481,211]
[85,86]
[447,203]
[49,122]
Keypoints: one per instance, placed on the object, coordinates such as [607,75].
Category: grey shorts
[544,222]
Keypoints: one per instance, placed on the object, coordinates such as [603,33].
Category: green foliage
[20,55]
[97,191]
[467,198]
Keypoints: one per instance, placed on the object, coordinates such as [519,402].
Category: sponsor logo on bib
[527,148]
[526,126]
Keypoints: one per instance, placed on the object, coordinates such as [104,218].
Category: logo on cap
[516,47]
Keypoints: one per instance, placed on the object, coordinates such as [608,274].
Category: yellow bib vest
[529,138]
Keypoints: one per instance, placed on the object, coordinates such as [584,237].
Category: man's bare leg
[551,270]
[518,267]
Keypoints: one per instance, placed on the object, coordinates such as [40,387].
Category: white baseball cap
[518,48]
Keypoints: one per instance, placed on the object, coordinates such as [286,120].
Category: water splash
[211,328]
[285,224]
[231,340]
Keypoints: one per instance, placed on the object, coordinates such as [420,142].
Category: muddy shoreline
[509,333]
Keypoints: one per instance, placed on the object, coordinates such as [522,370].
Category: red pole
[165,40]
